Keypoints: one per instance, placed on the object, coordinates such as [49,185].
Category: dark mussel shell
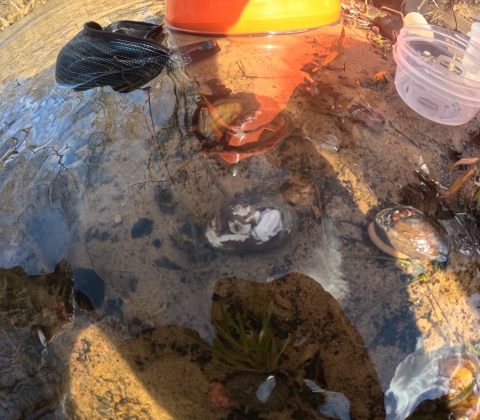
[411,233]
[251,224]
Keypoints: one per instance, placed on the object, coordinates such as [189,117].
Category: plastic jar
[432,76]
[234,17]
[473,49]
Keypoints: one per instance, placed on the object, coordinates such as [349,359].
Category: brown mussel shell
[251,224]
[461,370]
[228,110]
[409,232]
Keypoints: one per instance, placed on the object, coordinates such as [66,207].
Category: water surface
[88,176]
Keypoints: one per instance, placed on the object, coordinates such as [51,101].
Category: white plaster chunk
[241,210]
[218,241]
[269,225]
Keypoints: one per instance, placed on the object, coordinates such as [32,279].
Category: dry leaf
[382,75]
[337,47]
[329,58]
[341,41]
[379,75]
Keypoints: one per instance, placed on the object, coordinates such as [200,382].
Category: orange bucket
[237,17]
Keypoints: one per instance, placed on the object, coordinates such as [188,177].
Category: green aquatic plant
[379,257]
[245,343]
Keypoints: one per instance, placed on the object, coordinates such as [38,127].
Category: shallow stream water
[119,186]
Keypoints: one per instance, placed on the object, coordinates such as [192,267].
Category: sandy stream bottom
[107,214]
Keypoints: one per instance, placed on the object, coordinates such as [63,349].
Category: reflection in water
[33,311]
[86,176]
[176,369]
[440,384]
[233,133]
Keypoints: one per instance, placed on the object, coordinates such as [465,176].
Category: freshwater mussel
[405,232]
[251,224]
[236,130]
[461,371]
[454,378]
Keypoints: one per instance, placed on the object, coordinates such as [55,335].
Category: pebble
[118,218]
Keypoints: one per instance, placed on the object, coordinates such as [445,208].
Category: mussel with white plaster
[251,224]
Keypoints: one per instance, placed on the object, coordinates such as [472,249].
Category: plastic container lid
[237,17]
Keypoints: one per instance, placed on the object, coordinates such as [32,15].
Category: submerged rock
[405,232]
[251,225]
[33,311]
[44,303]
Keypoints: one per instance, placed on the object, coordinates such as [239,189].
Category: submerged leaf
[465,161]
[367,116]
[337,46]
[457,184]
[330,58]
[379,75]
[383,75]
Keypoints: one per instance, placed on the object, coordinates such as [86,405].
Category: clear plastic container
[432,77]
[473,49]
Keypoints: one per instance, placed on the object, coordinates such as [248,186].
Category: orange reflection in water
[259,73]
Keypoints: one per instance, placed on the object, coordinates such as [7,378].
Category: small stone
[117,398]
[217,397]
[118,218]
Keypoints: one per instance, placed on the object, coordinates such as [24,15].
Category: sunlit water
[87,177]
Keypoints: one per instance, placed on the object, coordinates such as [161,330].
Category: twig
[147,89]
[396,12]
[421,5]
[244,74]
[14,5]
[455,17]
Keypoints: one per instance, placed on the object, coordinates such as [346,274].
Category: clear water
[87,176]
